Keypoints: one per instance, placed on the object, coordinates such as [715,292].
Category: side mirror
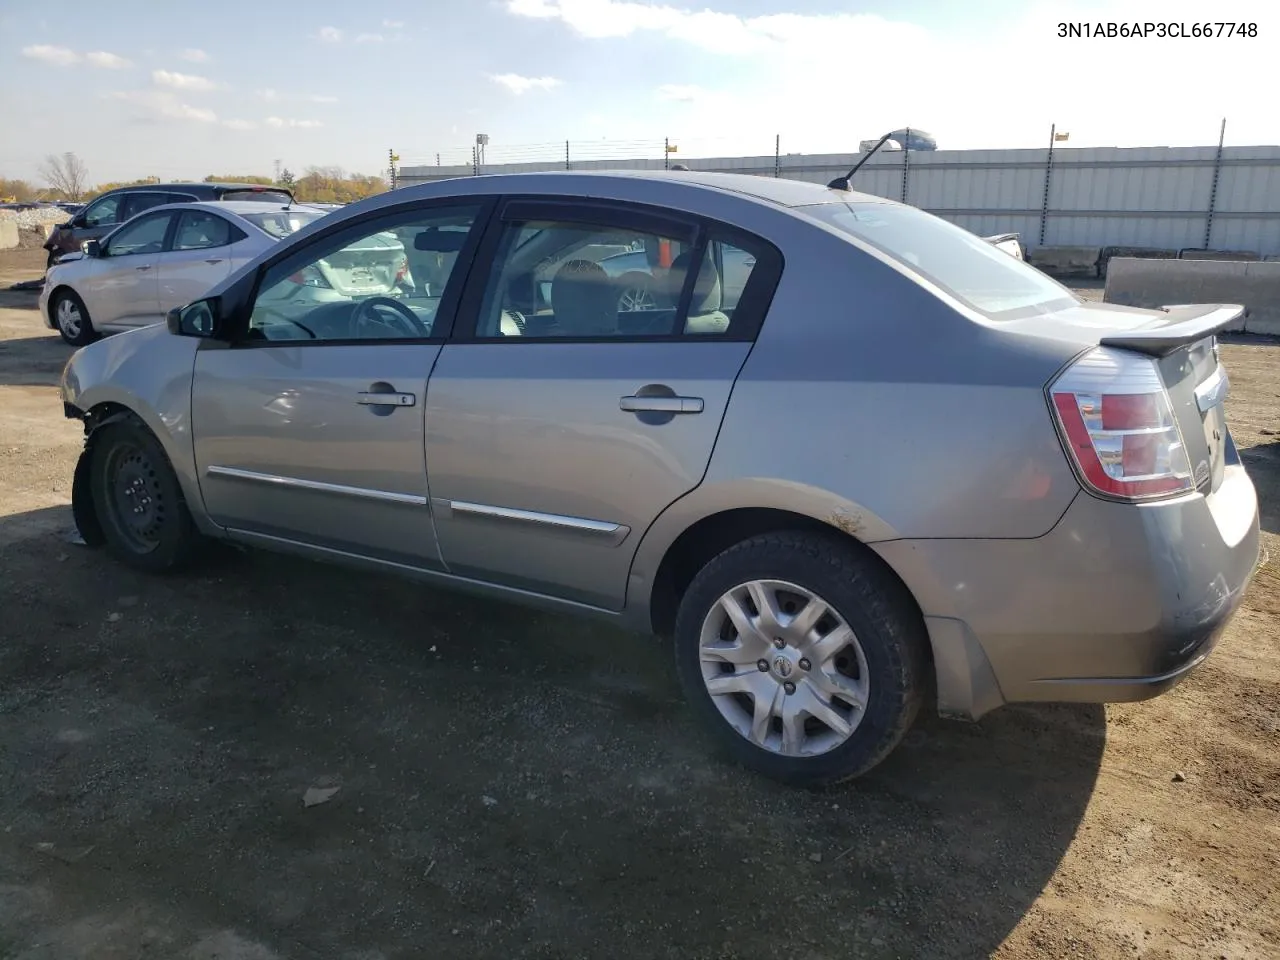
[200,319]
[91,248]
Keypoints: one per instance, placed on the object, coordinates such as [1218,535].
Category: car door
[124,289]
[309,428]
[558,430]
[199,256]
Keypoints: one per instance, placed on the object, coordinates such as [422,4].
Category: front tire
[806,658]
[72,319]
[138,501]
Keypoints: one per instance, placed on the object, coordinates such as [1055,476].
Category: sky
[178,90]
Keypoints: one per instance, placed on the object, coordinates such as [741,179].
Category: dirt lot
[513,784]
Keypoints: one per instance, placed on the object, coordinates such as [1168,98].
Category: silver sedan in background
[850,458]
[163,258]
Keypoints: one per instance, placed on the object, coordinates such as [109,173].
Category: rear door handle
[147,267]
[214,260]
[661,404]
[386,399]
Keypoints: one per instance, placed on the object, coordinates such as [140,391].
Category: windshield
[281,223]
[966,266]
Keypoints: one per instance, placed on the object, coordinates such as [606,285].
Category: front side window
[199,230]
[145,235]
[103,212]
[966,266]
[383,280]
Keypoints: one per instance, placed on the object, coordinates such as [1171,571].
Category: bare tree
[67,174]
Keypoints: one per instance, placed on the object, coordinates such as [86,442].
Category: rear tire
[787,702]
[138,501]
[71,318]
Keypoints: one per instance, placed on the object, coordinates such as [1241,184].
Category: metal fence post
[391,166]
[1213,190]
[1048,172]
[567,165]
[666,153]
[906,164]
[475,161]
[777,154]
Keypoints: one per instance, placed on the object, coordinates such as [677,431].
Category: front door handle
[214,260]
[661,404]
[386,399]
[146,267]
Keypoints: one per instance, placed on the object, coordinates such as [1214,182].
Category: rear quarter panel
[865,383]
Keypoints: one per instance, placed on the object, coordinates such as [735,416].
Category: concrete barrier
[8,234]
[1066,261]
[1194,253]
[1137,282]
[1151,253]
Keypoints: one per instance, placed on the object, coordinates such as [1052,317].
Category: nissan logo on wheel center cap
[782,667]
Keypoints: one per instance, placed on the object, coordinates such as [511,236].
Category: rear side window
[266,196]
[135,203]
[198,230]
[614,274]
[973,271]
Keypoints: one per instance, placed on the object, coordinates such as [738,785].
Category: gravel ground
[513,784]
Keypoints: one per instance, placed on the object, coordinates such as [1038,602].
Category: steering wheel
[406,322]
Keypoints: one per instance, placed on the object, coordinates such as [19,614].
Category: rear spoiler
[1186,324]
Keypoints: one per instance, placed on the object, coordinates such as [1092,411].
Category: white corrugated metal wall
[1144,196]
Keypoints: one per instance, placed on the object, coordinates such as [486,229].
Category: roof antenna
[842,183]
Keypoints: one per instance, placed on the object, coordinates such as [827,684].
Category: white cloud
[680,93]
[393,24]
[321,98]
[816,78]
[280,122]
[266,93]
[108,61]
[59,56]
[370,38]
[194,55]
[239,124]
[330,35]
[161,103]
[182,81]
[518,84]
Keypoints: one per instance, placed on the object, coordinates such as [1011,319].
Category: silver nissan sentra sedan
[888,462]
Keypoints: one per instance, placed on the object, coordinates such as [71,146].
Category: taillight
[1118,424]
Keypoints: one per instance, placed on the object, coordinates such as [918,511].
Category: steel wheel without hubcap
[783,668]
[70,320]
[134,498]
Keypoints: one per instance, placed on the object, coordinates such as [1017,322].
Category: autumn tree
[19,190]
[263,181]
[66,174]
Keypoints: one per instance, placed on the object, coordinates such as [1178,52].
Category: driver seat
[584,300]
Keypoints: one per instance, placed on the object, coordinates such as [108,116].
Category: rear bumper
[1118,602]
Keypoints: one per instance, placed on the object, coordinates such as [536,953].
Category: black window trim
[165,244]
[446,313]
[761,285]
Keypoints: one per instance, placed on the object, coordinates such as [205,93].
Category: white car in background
[163,258]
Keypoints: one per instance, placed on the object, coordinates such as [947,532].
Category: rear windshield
[269,196]
[966,266]
[281,223]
